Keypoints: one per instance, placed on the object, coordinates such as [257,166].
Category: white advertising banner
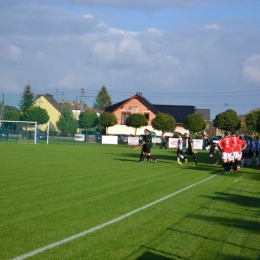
[197,144]
[133,140]
[79,137]
[108,139]
[156,140]
[173,142]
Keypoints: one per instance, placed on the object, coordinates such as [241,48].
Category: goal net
[19,131]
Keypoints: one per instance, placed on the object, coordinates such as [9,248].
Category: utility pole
[82,100]
[2,109]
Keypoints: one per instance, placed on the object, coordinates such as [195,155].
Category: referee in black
[212,146]
[147,146]
[189,150]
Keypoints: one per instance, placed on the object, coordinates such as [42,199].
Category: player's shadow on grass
[250,225]
[152,253]
[240,200]
[206,164]
[197,235]
[254,175]
[160,158]
[232,257]
[245,191]
[152,256]
[136,160]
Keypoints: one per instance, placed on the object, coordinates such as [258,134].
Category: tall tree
[107,120]
[27,98]
[88,119]
[66,122]
[103,99]
[136,120]
[164,122]
[194,123]
[227,120]
[252,119]
[36,114]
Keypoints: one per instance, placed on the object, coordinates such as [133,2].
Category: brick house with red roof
[139,104]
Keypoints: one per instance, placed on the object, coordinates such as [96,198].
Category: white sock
[178,159]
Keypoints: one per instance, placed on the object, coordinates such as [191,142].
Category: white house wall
[123,129]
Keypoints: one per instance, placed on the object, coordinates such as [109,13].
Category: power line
[191,97]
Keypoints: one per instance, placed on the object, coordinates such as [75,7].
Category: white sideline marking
[63,241]
[239,177]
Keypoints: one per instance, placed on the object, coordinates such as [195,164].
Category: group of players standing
[235,151]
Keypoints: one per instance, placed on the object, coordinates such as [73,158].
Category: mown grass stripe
[91,230]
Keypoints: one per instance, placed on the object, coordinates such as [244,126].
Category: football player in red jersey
[226,145]
[238,146]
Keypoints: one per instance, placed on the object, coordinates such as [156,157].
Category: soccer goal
[19,131]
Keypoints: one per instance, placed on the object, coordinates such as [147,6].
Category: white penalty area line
[91,230]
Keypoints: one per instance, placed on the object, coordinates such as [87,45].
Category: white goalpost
[21,131]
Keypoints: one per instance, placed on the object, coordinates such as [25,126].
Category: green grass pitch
[51,192]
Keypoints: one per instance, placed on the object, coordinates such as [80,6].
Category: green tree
[136,120]
[8,108]
[103,99]
[36,114]
[227,120]
[12,115]
[194,123]
[251,119]
[209,129]
[258,125]
[164,122]
[88,119]
[107,120]
[66,122]
[27,98]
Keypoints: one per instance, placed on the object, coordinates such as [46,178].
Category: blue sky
[203,52]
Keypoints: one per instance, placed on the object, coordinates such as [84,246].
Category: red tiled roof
[76,106]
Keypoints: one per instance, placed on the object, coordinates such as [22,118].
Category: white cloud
[120,31]
[251,68]
[212,26]
[40,55]
[71,52]
[14,52]
[89,16]
[8,82]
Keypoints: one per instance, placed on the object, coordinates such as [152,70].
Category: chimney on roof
[49,95]
[139,94]
[62,102]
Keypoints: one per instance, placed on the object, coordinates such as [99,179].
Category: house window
[147,116]
[124,117]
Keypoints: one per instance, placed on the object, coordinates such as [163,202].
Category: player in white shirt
[180,149]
